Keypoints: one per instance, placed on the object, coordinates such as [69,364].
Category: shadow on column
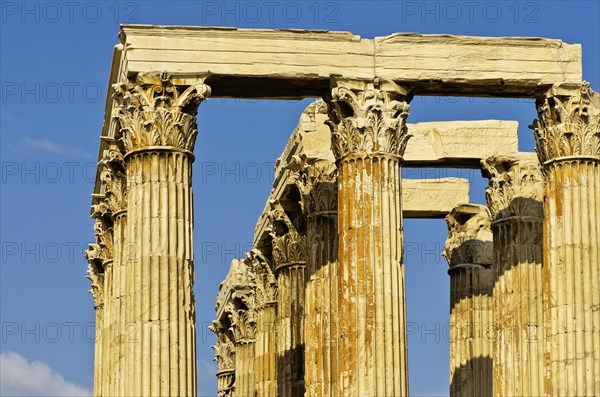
[462,385]
[290,364]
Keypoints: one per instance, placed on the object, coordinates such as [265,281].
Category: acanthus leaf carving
[243,325]
[95,273]
[103,232]
[265,283]
[568,123]
[317,183]
[289,246]
[113,178]
[516,186]
[153,111]
[224,348]
[368,120]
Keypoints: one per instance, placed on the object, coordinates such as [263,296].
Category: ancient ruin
[317,307]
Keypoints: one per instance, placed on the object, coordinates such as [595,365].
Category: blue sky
[55,59]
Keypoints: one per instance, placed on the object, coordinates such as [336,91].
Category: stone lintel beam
[432,198]
[459,143]
[431,64]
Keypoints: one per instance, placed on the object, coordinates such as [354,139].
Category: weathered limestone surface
[470,255]
[568,145]
[141,266]
[515,199]
[106,271]
[157,129]
[369,138]
[435,64]
[265,354]
[432,198]
[96,277]
[459,143]
[320,201]
[289,257]
[236,295]
[243,322]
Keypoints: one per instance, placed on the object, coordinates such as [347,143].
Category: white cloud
[21,377]
[46,145]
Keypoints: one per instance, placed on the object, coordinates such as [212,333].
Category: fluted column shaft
[289,260]
[266,350]
[98,350]
[471,332]
[160,301]
[157,127]
[290,331]
[371,285]
[572,276]
[118,305]
[470,255]
[568,145]
[369,138]
[108,329]
[515,199]
[321,311]
[518,310]
[244,368]
[105,261]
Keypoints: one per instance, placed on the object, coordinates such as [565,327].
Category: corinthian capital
[289,246]
[470,239]
[153,111]
[516,186]
[103,231]
[568,122]
[243,325]
[224,348]
[95,273]
[317,183]
[368,118]
[112,177]
[265,284]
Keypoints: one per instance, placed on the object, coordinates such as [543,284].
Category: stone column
[319,198]
[102,255]
[225,358]
[96,276]
[568,145]
[369,138]
[265,350]
[113,207]
[243,324]
[515,199]
[289,257]
[158,130]
[469,251]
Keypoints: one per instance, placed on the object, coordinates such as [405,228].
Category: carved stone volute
[243,325]
[289,246]
[154,111]
[95,273]
[368,118]
[317,183]
[113,178]
[568,122]
[264,281]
